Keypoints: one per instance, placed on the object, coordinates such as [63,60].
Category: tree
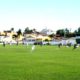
[60,32]
[63,32]
[12,29]
[34,30]
[66,32]
[77,32]
[27,30]
[19,32]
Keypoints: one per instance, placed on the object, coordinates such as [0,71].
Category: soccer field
[44,63]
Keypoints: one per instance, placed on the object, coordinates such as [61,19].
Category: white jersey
[33,47]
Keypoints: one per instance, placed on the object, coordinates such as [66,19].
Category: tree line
[60,32]
[67,33]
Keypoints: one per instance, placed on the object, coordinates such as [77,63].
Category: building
[47,31]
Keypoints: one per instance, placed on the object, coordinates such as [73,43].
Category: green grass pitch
[44,63]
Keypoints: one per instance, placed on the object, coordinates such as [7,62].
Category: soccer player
[75,46]
[4,44]
[33,48]
[59,45]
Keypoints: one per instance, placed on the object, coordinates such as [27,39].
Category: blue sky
[53,14]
